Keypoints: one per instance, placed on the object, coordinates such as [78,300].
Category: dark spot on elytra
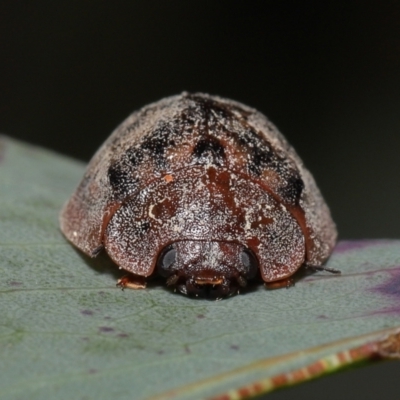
[210,115]
[225,111]
[87,312]
[187,117]
[291,192]
[209,149]
[135,156]
[155,144]
[218,116]
[115,175]
[248,137]
[140,228]
[106,329]
[161,139]
[261,156]
[122,180]
[208,106]
[152,149]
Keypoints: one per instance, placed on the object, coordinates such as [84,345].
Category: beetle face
[210,269]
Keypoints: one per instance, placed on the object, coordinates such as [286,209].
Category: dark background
[326,73]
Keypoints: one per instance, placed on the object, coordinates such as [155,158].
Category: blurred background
[326,73]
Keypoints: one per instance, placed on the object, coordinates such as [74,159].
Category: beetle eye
[165,260]
[250,262]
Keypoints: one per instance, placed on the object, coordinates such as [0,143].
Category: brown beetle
[206,192]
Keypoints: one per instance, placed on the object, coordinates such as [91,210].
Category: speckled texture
[199,167]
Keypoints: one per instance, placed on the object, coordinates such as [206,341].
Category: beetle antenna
[320,268]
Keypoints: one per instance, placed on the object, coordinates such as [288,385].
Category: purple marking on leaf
[92,371]
[386,310]
[87,312]
[391,289]
[160,352]
[201,316]
[106,329]
[349,245]
[187,350]
[15,283]
[123,335]
[321,316]
[107,317]
[392,286]
[234,347]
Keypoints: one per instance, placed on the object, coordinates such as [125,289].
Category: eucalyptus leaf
[67,331]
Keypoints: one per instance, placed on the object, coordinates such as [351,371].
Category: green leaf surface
[67,332]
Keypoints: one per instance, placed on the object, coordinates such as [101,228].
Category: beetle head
[212,269]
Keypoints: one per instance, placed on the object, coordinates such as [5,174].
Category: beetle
[203,191]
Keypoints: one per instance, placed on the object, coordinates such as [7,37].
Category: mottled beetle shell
[204,169]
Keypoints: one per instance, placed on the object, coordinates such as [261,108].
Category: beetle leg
[172,280]
[283,283]
[242,281]
[182,288]
[132,282]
